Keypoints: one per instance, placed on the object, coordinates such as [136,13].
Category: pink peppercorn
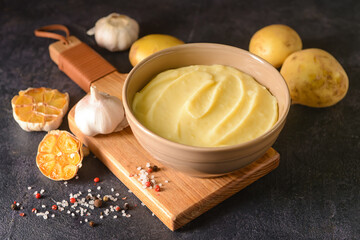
[38,195]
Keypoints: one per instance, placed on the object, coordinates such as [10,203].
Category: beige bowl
[205,161]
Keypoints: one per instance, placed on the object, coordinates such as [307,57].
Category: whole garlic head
[115,32]
[99,113]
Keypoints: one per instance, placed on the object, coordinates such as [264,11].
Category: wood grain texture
[183,198]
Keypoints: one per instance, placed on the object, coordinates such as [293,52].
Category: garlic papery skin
[99,113]
[115,32]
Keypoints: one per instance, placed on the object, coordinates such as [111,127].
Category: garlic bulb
[99,113]
[115,32]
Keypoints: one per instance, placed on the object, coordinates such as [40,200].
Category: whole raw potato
[315,78]
[274,43]
[150,44]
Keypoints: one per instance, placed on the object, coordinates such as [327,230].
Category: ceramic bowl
[205,161]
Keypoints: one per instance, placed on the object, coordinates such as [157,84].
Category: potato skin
[274,43]
[315,78]
[150,44]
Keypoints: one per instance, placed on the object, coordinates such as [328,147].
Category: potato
[315,78]
[150,44]
[274,43]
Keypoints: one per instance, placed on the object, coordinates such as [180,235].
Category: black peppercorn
[98,203]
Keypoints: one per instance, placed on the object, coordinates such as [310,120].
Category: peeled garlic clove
[99,113]
[115,32]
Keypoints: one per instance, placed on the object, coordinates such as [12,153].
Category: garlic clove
[91,31]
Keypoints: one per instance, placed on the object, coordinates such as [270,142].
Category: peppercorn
[155,168]
[98,203]
[157,188]
[88,197]
[96,179]
[14,207]
[117,208]
[126,206]
[92,224]
[22,214]
[54,207]
[149,170]
[148,184]
[33,210]
[38,195]
[105,198]
[72,200]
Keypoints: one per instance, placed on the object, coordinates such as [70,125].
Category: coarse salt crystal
[36,192]
[147,164]
[42,191]
[129,191]
[17,204]
[128,215]
[124,214]
[29,188]
[68,212]
[98,196]
[160,184]
[98,188]
[45,217]
[86,220]
[138,168]
[101,217]
[112,189]
[115,216]
[152,176]
[65,182]
[52,215]
[43,206]
[166,181]
[76,177]
[47,212]
[122,211]
[80,222]
[73,214]
[77,211]
[143,204]
[153,214]
[117,194]
[89,190]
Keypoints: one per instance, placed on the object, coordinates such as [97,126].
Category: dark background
[313,194]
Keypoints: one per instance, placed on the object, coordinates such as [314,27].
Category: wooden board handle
[80,62]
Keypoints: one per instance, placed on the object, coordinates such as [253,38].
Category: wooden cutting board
[183,198]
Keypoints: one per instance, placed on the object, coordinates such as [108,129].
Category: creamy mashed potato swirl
[207,106]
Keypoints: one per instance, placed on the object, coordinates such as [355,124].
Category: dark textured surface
[315,192]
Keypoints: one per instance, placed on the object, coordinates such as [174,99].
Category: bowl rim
[162,140]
